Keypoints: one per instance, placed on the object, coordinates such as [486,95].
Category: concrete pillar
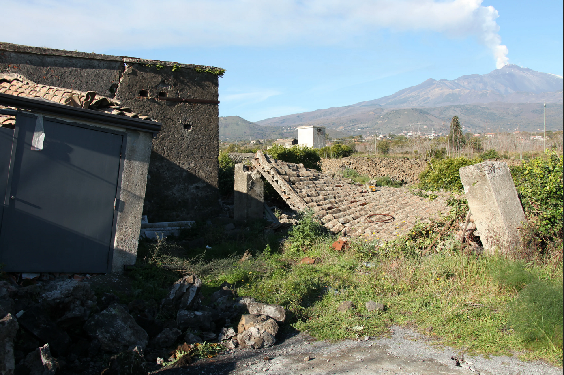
[249,194]
[494,205]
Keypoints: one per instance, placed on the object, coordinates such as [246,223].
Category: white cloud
[133,24]
[251,97]
[271,112]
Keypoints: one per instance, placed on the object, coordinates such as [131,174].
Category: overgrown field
[426,279]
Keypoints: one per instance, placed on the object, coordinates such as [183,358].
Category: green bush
[226,177]
[335,151]
[443,174]
[305,233]
[296,154]
[383,147]
[539,184]
[536,315]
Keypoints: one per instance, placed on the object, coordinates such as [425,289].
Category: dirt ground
[404,352]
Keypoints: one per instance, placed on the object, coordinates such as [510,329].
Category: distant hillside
[235,128]
[505,99]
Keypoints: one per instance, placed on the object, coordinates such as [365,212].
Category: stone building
[183,172]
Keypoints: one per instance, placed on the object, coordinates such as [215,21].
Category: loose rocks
[116,330]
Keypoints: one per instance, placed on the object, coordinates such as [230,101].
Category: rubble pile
[62,327]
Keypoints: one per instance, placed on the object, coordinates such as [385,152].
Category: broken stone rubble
[351,210]
[65,328]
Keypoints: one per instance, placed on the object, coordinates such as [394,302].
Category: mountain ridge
[507,99]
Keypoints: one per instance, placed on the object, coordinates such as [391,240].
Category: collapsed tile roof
[18,85]
[346,208]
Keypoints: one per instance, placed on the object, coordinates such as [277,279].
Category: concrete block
[249,194]
[494,205]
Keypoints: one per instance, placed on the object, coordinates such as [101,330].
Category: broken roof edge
[10,47]
[101,117]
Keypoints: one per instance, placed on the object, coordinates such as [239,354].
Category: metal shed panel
[6,139]
[61,208]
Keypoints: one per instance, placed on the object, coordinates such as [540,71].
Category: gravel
[404,352]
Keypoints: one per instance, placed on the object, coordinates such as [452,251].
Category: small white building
[311,136]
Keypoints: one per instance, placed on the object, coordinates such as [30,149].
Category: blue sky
[290,56]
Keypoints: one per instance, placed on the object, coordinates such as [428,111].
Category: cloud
[274,111]
[133,24]
[252,97]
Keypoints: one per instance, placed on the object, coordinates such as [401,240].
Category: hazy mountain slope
[235,128]
[506,98]
[511,84]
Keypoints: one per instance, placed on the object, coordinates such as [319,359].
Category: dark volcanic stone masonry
[347,208]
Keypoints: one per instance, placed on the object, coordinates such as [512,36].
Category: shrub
[539,184]
[296,154]
[226,177]
[305,233]
[335,151]
[443,174]
[383,147]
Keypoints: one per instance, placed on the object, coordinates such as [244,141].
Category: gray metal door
[60,211]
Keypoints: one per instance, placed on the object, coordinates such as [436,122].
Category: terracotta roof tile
[348,208]
[18,85]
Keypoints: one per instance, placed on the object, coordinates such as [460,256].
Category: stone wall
[183,173]
[405,170]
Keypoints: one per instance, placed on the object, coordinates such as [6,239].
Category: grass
[425,279]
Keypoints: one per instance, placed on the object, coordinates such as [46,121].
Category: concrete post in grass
[248,195]
[494,205]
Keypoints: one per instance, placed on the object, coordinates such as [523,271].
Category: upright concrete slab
[249,194]
[494,205]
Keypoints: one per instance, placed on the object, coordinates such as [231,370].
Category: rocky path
[404,352]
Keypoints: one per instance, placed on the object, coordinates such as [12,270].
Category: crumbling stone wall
[405,170]
[183,173]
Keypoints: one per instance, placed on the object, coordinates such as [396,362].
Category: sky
[290,56]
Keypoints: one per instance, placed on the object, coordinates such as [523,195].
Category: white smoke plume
[133,24]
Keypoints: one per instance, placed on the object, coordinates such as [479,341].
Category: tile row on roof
[18,85]
[347,208]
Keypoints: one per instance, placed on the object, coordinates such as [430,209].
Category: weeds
[536,315]
[425,279]
[355,176]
